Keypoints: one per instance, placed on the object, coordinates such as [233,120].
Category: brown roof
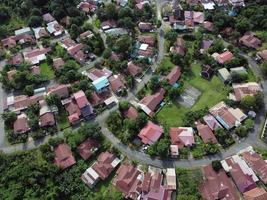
[126,181]
[60,90]
[263,54]
[152,182]
[152,101]
[217,185]
[87,148]
[150,133]
[21,124]
[58,62]
[48,17]
[10,74]
[9,42]
[104,165]
[206,133]
[146,53]
[63,156]
[147,39]
[145,26]
[133,69]
[256,194]
[35,70]
[131,113]
[16,59]
[96,99]
[116,83]
[208,25]
[250,40]
[179,47]
[47,119]
[246,89]
[174,75]
[72,108]
[256,162]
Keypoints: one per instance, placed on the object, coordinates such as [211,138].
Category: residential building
[35,56]
[133,69]
[146,39]
[150,133]
[182,136]
[83,104]
[116,83]
[48,18]
[145,26]
[128,180]
[108,24]
[212,122]
[255,194]
[244,89]
[179,47]
[171,179]
[150,103]
[249,40]
[61,90]
[55,28]
[237,3]
[47,119]
[21,124]
[223,57]
[207,72]
[224,75]
[206,133]
[40,32]
[174,151]
[131,113]
[22,31]
[16,59]
[174,75]
[98,73]
[63,156]
[208,26]
[101,84]
[87,148]
[262,54]
[58,62]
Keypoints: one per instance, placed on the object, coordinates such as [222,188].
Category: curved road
[251,140]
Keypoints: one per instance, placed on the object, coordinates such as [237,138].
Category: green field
[47,71]
[212,92]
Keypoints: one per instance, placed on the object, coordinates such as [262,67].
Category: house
[207,72]
[228,117]
[141,5]
[150,103]
[73,111]
[182,136]
[237,3]
[111,101]
[223,57]
[192,17]
[11,74]
[153,189]
[100,170]
[179,47]
[206,133]
[145,26]
[174,75]
[85,35]
[21,124]
[76,51]
[98,73]
[108,24]
[35,70]
[67,43]
[262,54]
[145,51]
[61,90]
[58,62]
[217,185]
[9,42]
[242,90]
[208,4]
[193,2]
[208,26]
[22,31]
[16,59]
[146,39]
[116,83]
[238,70]
[174,151]
[22,102]
[133,69]
[63,156]
[256,162]
[87,148]
[255,194]
[40,32]
[212,122]
[131,113]
[221,2]
[171,179]
[96,99]
[249,40]
[47,119]
[48,18]
[83,104]
[87,6]
[205,44]
[35,56]
[101,84]
[55,28]
[224,75]
[128,180]
[150,133]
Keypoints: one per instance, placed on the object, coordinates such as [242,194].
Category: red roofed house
[21,124]
[16,60]
[179,47]
[106,163]
[74,112]
[208,25]
[182,136]
[87,7]
[35,70]
[133,69]
[131,113]
[87,148]
[249,40]
[36,55]
[150,103]
[128,181]
[47,119]
[212,122]
[174,75]
[108,24]
[48,17]
[58,62]
[83,104]
[116,83]
[150,133]
[146,39]
[256,162]
[76,51]
[63,156]
[61,90]
[9,42]
[255,194]
[262,54]
[244,89]
[145,26]
[217,185]
[224,57]
[206,133]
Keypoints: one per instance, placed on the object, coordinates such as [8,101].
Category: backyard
[47,71]
[212,92]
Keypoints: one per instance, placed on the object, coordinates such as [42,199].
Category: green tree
[241,131]
[216,165]
[35,21]
[9,118]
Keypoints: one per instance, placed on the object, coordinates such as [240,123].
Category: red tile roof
[256,194]
[224,57]
[150,133]
[181,137]
[133,69]
[61,90]
[47,119]
[63,156]
[145,26]
[58,62]
[206,133]
[21,124]
[174,75]
[217,185]
[74,118]
[48,17]
[16,59]
[208,25]
[263,54]
[116,83]
[35,70]
[146,39]
[87,148]
[73,108]
[131,113]
[127,182]
[81,99]
[250,40]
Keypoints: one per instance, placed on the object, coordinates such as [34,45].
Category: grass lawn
[62,120]
[47,71]
[212,92]
[165,66]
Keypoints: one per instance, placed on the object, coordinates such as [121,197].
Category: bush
[216,165]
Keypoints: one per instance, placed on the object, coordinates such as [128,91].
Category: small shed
[224,75]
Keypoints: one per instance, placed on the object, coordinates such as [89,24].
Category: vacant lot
[47,71]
